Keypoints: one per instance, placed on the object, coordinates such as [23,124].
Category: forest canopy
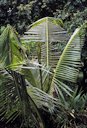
[21,13]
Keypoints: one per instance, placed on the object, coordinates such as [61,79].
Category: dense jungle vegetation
[43,64]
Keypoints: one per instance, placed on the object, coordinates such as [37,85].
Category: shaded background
[20,13]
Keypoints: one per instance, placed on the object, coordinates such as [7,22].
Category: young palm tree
[19,85]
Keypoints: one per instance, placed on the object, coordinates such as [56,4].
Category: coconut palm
[70,63]
[20,93]
[67,74]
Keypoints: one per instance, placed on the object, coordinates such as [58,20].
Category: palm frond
[46,31]
[14,100]
[9,101]
[11,51]
[43,100]
[69,64]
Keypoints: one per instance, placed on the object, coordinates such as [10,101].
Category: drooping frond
[43,100]
[11,51]
[14,100]
[9,100]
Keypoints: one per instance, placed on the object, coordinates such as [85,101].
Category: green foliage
[76,20]
[68,108]
[24,12]
[24,88]
[45,33]
[17,92]
[69,65]
[10,47]
[73,112]
[74,14]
